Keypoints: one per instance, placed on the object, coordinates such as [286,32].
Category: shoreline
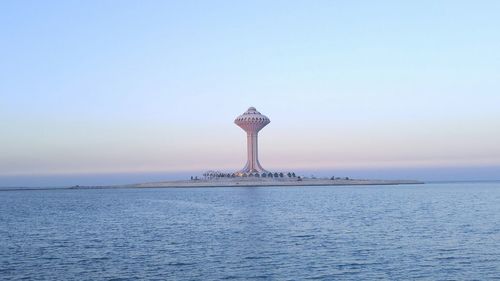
[232,182]
[256,182]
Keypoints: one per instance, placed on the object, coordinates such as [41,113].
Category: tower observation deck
[252,122]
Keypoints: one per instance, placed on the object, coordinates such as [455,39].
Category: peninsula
[253,182]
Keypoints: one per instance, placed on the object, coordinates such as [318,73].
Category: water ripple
[431,232]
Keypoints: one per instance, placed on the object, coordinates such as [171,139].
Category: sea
[435,231]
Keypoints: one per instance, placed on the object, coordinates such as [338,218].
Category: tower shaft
[253,164]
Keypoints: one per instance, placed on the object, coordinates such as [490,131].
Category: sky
[153,87]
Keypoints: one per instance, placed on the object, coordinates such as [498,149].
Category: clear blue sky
[154,86]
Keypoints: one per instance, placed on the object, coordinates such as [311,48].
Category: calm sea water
[425,232]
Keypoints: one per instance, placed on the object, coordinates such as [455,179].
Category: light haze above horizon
[151,86]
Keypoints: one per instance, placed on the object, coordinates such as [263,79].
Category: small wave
[303,236]
[179,263]
[254,258]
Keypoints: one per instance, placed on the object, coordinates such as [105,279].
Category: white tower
[252,122]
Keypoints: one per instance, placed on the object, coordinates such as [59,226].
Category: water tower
[252,122]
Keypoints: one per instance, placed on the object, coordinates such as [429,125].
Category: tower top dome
[252,116]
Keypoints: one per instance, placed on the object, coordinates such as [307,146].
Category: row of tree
[217,174]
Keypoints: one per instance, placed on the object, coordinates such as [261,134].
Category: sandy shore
[230,182]
[233,182]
